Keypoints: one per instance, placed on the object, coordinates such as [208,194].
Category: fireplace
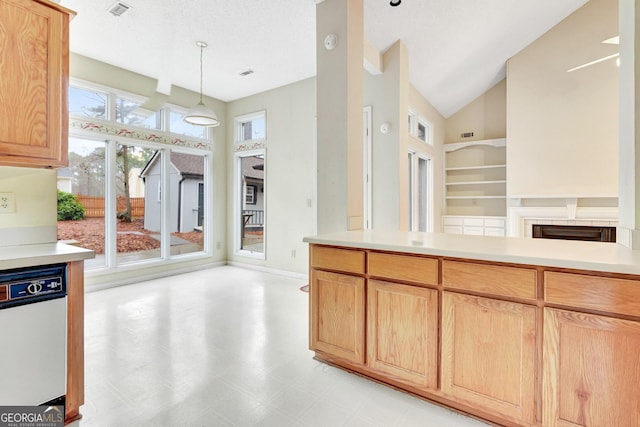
[574,232]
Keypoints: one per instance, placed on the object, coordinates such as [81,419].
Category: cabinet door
[34,65]
[489,354]
[591,370]
[337,315]
[402,332]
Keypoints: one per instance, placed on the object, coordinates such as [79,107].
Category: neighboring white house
[186,178]
[136,184]
[65,180]
[253,191]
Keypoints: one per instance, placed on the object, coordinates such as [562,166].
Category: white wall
[387,94]
[35,217]
[562,128]
[289,173]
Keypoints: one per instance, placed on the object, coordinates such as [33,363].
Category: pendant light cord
[201,48]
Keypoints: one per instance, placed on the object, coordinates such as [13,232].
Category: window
[178,125]
[145,200]
[251,126]
[127,109]
[420,128]
[420,192]
[250,194]
[88,103]
[250,203]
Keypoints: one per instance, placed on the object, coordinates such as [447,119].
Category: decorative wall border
[254,144]
[150,135]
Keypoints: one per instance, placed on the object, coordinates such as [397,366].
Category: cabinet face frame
[337,329]
[403,345]
[468,358]
[39,138]
[590,370]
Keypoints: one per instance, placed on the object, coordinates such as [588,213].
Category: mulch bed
[132,237]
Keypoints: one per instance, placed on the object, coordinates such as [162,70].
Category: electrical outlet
[7,203]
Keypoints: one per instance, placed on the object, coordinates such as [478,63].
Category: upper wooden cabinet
[34,74]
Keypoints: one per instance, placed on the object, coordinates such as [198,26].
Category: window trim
[237,205]
[238,121]
[415,120]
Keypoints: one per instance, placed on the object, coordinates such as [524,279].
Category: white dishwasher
[33,325]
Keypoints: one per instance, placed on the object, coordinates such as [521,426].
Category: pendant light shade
[200,114]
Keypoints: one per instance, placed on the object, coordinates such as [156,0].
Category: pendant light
[200,114]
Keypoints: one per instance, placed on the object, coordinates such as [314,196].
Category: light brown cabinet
[591,370]
[402,332]
[488,355]
[518,345]
[337,315]
[34,70]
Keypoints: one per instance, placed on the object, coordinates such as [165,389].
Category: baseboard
[269,270]
[151,276]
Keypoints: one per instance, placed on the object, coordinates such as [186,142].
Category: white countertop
[41,254]
[596,256]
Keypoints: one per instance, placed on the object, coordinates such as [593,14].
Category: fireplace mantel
[561,210]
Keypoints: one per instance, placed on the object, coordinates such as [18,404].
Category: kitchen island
[527,332]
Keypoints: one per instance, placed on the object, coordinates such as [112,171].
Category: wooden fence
[94,206]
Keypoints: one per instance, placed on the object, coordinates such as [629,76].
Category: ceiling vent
[246,72]
[119,8]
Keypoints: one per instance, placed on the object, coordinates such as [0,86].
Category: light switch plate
[7,203]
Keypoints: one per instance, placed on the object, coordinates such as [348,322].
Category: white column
[339,109]
[628,233]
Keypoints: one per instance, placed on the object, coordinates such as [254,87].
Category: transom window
[420,128]
[107,104]
[251,126]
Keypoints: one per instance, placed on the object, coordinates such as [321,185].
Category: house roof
[188,165]
[253,167]
[457,48]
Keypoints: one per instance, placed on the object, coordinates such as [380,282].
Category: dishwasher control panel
[34,284]
[31,288]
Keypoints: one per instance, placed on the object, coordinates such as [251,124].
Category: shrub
[69,208]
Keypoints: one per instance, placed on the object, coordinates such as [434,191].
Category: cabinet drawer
[452,220]
[473,231]
[403,267]
[494,222]
[491,279]
[607,294]
[498,232]
[452,229]
[347,260]
[473,222]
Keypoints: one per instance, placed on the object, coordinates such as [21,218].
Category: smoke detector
[119,8]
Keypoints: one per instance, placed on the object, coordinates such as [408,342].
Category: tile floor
[225,347]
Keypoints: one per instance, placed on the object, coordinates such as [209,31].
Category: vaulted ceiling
[457,48]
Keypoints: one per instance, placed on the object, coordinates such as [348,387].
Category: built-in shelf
[504,181]
[476,178]
[476,197]
[477,167]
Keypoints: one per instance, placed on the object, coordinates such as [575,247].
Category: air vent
[246,73]
[466,135]
[119,8]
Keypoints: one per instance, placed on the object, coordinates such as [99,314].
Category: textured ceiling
[457,48]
